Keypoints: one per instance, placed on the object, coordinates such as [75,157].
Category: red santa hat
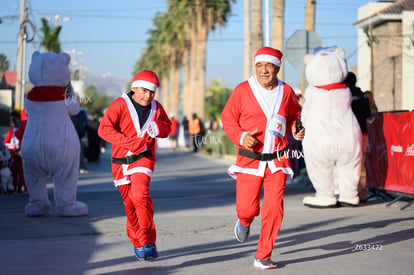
[146,79]
[267,54]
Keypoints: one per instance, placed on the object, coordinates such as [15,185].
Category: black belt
[131,158]
[262,157]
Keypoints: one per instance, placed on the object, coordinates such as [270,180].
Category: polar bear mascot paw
[332,144]
[50,145]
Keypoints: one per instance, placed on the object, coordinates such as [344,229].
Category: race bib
[277,126]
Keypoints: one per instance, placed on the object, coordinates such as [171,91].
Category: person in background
[132,123]
[362,111]
[185,123]
[213,124]
[174,132]
[6,177]
[372,104]
[257,118]
[14,146]
[79,121]
[196,130]
[19,135]
[94,141]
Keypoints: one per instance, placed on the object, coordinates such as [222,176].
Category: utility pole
[309,26]
[21,56]
[257,25]
[247,39]
[267,23]
[371,41]
[278,27]
[310,15]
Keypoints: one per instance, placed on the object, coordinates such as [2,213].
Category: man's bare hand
[249,140]
[300,135]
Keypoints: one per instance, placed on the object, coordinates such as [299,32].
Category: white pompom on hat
[146,79]
[268,54]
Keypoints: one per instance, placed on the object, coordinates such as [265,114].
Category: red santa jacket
[246,111]
[120,126]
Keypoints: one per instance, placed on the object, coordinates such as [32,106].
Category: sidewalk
[194,203]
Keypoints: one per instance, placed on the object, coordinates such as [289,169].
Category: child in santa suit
[132,123]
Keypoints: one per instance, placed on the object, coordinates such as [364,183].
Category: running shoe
[241,232]
[147,253]
[268,264]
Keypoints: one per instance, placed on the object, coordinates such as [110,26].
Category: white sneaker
[264,264]
[268,264]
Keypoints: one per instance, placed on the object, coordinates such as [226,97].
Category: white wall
[407,94]
[364,51]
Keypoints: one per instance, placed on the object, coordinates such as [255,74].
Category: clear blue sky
[112,34]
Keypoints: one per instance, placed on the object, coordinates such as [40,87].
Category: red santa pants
[248,206]
[139,210]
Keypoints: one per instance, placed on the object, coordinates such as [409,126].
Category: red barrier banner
[376,161]
[390,152]
[398,129]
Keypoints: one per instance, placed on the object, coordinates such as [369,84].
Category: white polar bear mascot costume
[50,144]
[332,144]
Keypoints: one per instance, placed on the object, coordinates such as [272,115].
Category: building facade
[386,53]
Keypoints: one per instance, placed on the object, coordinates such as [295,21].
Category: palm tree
[202,17]
[50,39]
[179,39]
[257,28]
[4,63]
[247,39]
[164,55]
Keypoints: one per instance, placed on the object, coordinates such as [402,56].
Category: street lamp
[58,19]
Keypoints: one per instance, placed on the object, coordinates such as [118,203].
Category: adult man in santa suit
[132,123]
[257,118]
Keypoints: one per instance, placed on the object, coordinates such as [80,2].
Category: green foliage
[4,63]
[95,102]
[215,98]
[218,144]
[50,39]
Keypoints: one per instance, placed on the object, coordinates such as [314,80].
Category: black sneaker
[241,232]
[268,264]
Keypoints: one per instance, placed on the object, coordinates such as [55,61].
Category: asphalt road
[194,203]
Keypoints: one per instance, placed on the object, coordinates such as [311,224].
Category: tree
[215,98]
[179,40]
[4,63]
[50,39]
[203,17]
[95,102]
[247,39]
[257,25]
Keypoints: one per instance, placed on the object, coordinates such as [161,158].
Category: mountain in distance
[106,84]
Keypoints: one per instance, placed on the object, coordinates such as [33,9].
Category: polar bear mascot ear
[326,65]
[50,69]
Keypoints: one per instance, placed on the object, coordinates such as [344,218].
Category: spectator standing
[14,145]
[80,121]
[362,111]
[196,130]
[185,124]
[6,177]
[94,141]
[174,132]
[372,105]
